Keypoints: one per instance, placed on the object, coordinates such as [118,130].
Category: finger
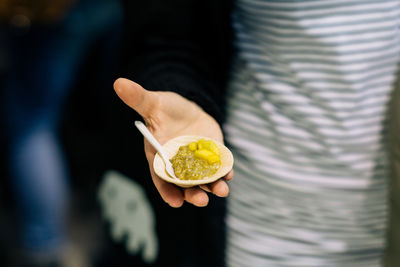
[220,188]
[229,176]
[135,96]
[169,192]
[205,187]
[196,196]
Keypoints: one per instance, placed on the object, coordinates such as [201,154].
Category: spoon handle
[146,133]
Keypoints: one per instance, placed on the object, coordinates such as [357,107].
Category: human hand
[168,115]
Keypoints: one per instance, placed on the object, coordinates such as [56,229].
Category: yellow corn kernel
[213,159]
[209,145]
[193,146]
[206,155]
[203,144]
[214,148]
[203,154]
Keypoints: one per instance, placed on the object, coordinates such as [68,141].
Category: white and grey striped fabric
[306,123]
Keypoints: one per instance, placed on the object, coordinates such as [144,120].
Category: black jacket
[182,46]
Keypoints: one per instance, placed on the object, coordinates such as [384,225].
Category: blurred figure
[44,43]
[392,256]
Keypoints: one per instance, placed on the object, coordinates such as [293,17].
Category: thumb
[135,96]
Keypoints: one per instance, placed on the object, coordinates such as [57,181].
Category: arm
[180,51]
[182,46]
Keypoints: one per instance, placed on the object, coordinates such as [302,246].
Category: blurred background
[59,119]
[75,189]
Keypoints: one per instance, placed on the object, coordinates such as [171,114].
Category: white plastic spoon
[153,141]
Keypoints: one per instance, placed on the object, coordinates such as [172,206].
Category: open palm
[168,115]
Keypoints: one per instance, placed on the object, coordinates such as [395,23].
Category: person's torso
[306,121]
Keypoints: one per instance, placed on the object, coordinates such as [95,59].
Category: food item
[192,142]
[196,160]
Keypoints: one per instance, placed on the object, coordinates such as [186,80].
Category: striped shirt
[306,123]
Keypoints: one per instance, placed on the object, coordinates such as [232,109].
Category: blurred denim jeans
[41,65]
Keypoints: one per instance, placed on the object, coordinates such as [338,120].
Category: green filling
[189,167]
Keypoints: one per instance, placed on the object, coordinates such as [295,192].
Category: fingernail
[174,204]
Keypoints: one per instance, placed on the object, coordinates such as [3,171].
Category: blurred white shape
[127,208]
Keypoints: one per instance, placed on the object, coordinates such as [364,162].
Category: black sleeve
[182,46]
